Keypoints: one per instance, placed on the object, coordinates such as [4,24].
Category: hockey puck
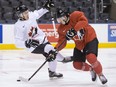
[18,80]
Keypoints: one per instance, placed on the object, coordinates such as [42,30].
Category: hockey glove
[80,34]
[48,4]
[70,34]
[51,55]
[31,43]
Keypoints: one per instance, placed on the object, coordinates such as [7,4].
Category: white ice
[15,63]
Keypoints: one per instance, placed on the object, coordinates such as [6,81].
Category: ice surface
[15,63]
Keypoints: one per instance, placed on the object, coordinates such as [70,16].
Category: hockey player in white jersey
[29,35]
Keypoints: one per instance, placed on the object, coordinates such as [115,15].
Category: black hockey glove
[48,4]
[31,43]
[80,34]
[70,34]
[51,55]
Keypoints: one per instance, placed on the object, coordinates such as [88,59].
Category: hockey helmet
[61,13]
[21,9]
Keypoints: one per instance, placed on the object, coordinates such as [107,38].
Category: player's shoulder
[76,12]
[17,22]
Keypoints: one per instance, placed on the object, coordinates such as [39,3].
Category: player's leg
[44,49]
[53,64]
[91,51]
[80,64]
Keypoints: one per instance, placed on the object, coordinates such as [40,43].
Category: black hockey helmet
[61,13]
[21,9]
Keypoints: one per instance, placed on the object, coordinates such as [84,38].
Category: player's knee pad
[48,48]
[91,58]
[81,66]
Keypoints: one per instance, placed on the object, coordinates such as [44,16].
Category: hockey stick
[54,27]
[52,10]
[26,80]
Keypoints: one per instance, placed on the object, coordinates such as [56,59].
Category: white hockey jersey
[22,29]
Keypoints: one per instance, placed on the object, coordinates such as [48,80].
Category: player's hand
[31,43]
[70,34]
[51,55]
[48,4]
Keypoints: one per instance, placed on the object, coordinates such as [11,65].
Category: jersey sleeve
[39,13]
[80,19]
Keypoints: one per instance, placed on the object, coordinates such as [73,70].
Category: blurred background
[97,11]
[101,15]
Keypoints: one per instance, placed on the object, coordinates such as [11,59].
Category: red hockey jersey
[77,21]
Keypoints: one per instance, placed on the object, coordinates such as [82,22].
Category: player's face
[25,15]
[62,20]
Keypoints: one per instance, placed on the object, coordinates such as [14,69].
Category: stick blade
[23,79]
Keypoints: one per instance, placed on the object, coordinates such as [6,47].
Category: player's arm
[78,29]
[48,4]
[81,20]
[80,26]
[39,13]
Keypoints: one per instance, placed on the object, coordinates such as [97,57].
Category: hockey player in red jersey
[75,27]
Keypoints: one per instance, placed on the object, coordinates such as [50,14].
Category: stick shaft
[37,70]
[54,27]
[43,63]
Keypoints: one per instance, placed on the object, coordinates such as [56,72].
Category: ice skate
[103,79]
[54,74]
[93,75]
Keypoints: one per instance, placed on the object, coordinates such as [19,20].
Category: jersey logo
[32,32]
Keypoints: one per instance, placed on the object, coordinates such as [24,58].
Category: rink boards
[106,34]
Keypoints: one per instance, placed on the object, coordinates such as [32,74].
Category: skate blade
[54,78]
